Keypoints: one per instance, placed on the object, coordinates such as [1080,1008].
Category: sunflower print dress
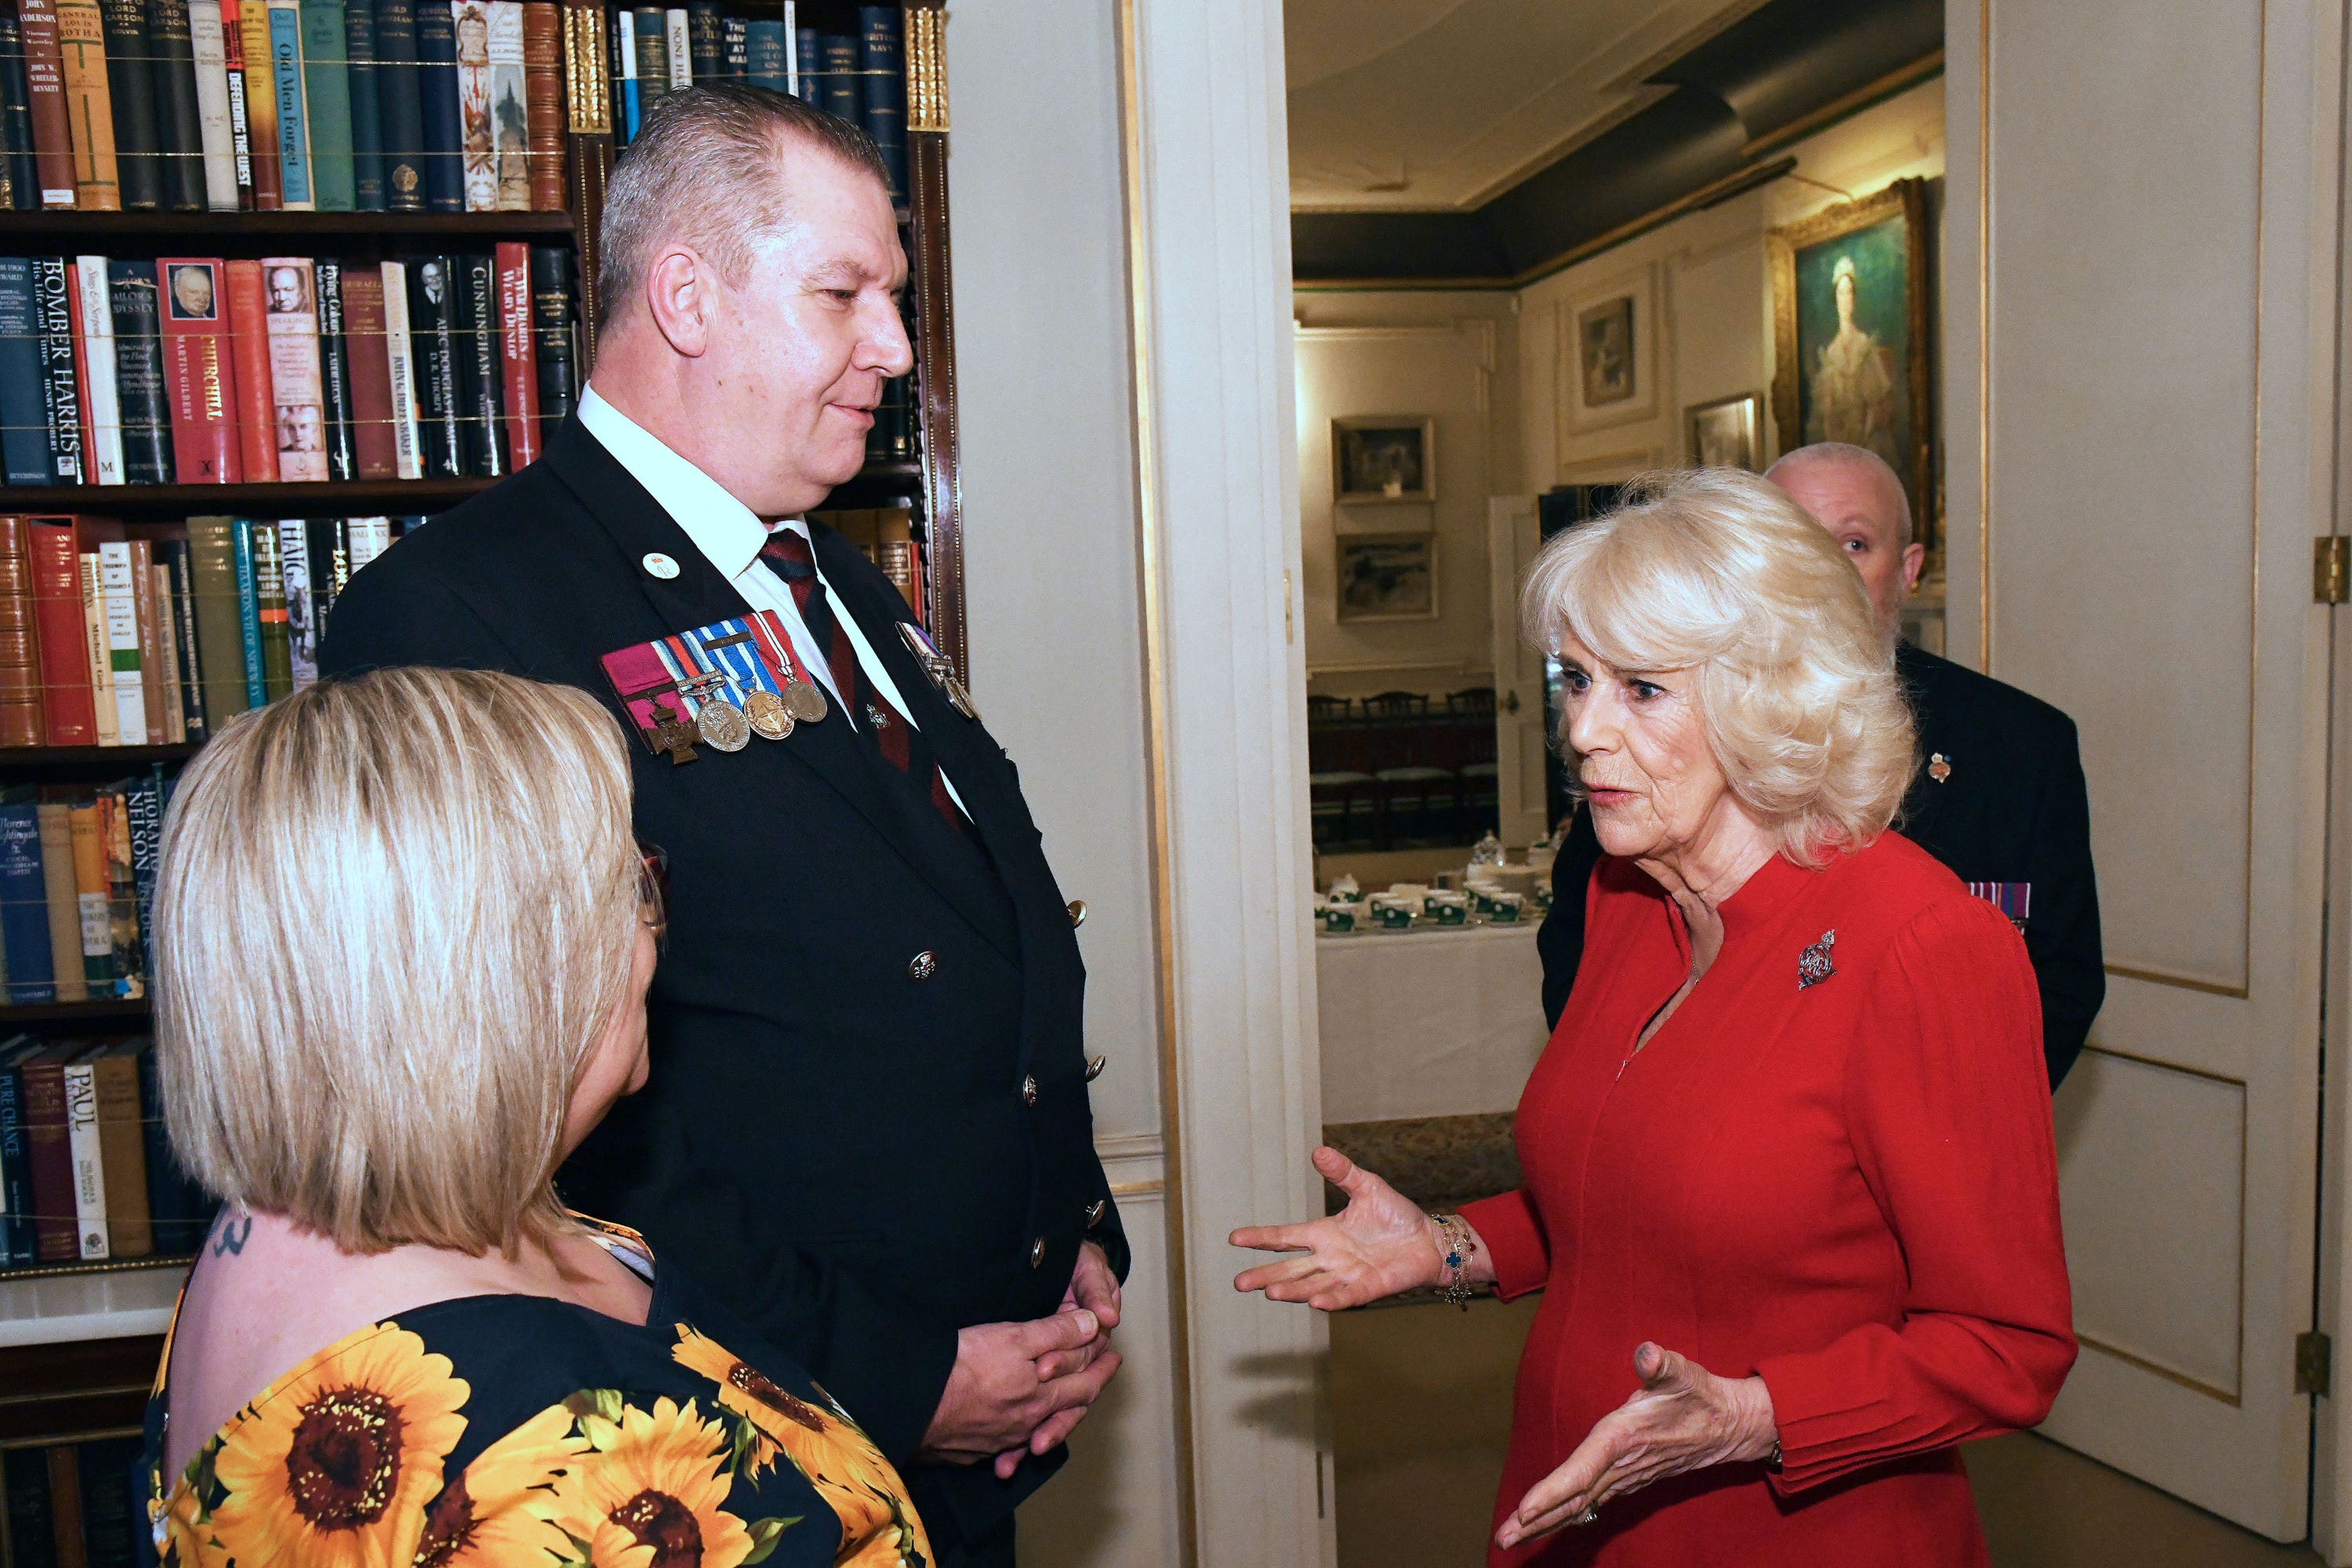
[521,1432]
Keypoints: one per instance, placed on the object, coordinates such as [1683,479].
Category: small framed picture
[1604,352]
[1608,366]
[1726,434]
[1388,579]
[1384,458]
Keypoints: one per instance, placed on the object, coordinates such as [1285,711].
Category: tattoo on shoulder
[229,1232]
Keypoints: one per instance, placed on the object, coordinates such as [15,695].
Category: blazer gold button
[923,965]
[1095,1065]
[1077,912]
[1095,1210]
[1028,1091]
[1038,1253]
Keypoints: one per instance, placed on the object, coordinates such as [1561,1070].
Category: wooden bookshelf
[331,498]
[140,230]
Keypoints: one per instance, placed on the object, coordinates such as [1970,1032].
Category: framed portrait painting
[1384,458]
[1851,336]
[1388,579]
[1727,433]
[1608,354]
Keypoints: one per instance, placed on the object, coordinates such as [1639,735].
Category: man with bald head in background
[2000,800]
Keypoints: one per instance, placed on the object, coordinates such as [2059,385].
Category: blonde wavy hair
[1715,570]
[392,916]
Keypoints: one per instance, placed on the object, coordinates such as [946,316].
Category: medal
[938,669]
[670,736]
[1939,767]
[722,724]
[1813,965]
[803,702]
[768,716]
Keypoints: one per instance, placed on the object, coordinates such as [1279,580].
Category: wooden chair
[1343,807]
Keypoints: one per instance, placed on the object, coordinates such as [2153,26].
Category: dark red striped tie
[876,717]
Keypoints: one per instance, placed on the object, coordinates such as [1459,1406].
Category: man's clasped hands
[1022,1388]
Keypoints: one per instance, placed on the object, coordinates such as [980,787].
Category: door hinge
[2331,569]
[2313,1355]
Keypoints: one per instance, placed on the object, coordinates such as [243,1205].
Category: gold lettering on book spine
[927,69]
[585,90]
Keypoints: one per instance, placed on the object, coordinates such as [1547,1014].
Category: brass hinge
[2313,1355]
[2331,569]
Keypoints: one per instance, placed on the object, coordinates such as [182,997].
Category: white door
[1512,537]
[2139,286]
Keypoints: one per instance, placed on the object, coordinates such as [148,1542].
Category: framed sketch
[1384,458]
[1727,433]
[1850,332]
[1390,579]
[1608,353]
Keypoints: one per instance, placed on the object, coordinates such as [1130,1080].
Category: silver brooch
[1813,965]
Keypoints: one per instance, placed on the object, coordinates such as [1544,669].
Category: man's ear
[679,297]
[1915,556]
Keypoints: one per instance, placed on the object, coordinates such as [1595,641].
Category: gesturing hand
[1379,1244]
[999,1394]
[1681,1418]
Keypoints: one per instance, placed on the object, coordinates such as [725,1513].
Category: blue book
[327,97]
[805,64]
[437,99]
[402,113]
[882,68]
[764,55]
[248,614]
[24,901]
[836,64]
[24,408]
[367,122]
[734,48]
[16,1237]
[624,29]
[293,123]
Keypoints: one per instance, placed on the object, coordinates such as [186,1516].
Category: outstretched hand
[1681,1418]
[1379,1244]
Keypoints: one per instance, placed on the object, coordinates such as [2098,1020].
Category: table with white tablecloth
[1428,1023]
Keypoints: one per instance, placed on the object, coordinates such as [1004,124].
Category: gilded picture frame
[1853,347]
[1727,433]
[1390,577]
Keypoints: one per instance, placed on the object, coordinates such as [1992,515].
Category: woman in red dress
[1790,1187]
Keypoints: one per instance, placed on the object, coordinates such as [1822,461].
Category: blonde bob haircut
[392,916]
[1715,570]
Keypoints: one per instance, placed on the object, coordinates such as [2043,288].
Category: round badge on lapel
[656,565]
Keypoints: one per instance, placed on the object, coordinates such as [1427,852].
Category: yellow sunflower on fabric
[183,1536]
[500,1511]
[877,1526]
[331,1466]
[648,1494]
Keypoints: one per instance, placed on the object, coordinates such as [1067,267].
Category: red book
[61,637]
[365,351]
[44,81]
[248,380]
[516,355]
[197,376]
[57,1235]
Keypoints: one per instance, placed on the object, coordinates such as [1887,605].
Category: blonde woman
[1790,1187]
[402,942]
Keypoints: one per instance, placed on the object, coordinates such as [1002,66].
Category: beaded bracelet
[1454,1284]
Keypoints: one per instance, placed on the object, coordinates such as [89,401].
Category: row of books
[293,105]
[107,640]
[77,885]
[76,1505]
[86,1175]
[887,537]
[194,370]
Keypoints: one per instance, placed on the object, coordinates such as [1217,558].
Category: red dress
[1849,1188]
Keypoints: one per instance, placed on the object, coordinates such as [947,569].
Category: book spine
[370,537]
[476,141]
[269,613]
[60,393]
[297,397]
[542,69]
[478,374]
[24,399]
[122,895]
[404,113]
[44,92]
[217,610]
[68,706]
[706,45]
[16,119]
[764,55]
[123,1151]
[199,372]
[94,649]
[436,82]
[433,331]
[327,105]
[118,585]
[735,46]
[837,82]
[510,121]
[335,374]
[370,372]
[649,30]
[89,1162]
[90,106]
[552,335]
[518,363]
[240,111]
[295,173]
[64,909]
[677,48]
[302,604]
[219,122]
[94,306]
[179,120]
[24,902]
[366,106]
[261,104]
[146,411]
[81,336]
[807,64]
[177,556]
[248,375]
[248,612]
[628,103]
[163,660]
[50,1154]
[148,631]
[882,68]
[131,88]
[15,1175]
[21,720]
[399,373]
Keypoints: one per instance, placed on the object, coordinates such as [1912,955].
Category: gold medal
[804,700]
[766,713]
[721,726]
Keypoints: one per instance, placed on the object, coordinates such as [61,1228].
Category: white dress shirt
[730,535]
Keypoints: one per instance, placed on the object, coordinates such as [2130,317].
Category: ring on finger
[1588,1516]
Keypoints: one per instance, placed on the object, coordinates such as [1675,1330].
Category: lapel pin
[1813,965]
[656,565]
[1939,767]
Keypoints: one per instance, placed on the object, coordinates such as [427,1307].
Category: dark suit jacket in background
[2014,809]
[835,1145]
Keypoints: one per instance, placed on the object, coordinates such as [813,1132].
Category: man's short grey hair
[708,168]
[1846,452]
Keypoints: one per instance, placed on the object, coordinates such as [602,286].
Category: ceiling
[1437,105]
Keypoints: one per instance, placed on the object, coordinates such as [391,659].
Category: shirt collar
[727,533]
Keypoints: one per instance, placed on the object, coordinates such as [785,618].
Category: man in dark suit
[867,1125]
[2000,799]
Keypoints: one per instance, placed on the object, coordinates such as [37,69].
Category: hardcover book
[269,612]
[67,708]
[131,88]
[122,895]
[327,105]
[480,377]
[433,335]
[367,115]
[200,372]
[24,190]
[649,30]
[118,587]
[174,561]
[764,56]
[301,606]
[402,112]
[240,111]
[837,85]
[92,1244]
[291,301]
[436,87]
[162,656]
[16,1179]
[629,104]
[218,123]
[257,414]
[148,628]
[24,903]
[45,92]
[94,649]
[122,1149]
[372,436]
[220,636]
[65,914]
[90,106]
[21,721]
[882,68]
[139,372]
[510,121]
[249,611]
[295,174]
[677,48]
[554,322]
[807,63]
[477,136]
[400,365]
[40,1072]
[24,403]
[735,46]
[61,391]
[334,371]
[179,123]
[542,68]
[518,363]
[704,43]
[261,104]
[94,301]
